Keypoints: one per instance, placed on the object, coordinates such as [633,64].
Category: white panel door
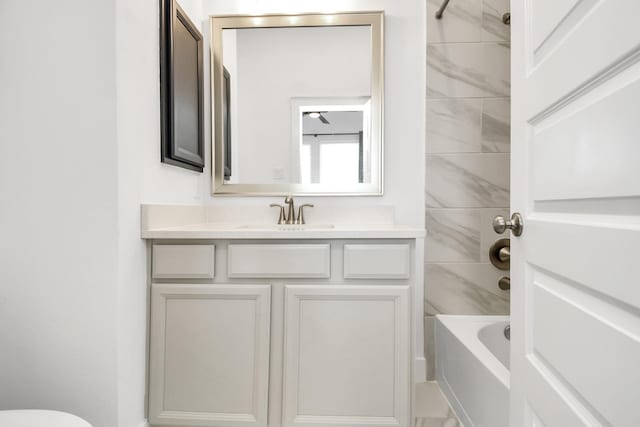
[575,294]
[346,356]
[209,355]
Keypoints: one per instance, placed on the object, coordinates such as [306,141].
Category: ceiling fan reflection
[317,115]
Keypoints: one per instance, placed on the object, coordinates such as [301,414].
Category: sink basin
[286,227]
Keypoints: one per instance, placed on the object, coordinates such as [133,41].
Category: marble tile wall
[467,162]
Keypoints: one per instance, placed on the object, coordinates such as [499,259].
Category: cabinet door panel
[209,361]
[346,356]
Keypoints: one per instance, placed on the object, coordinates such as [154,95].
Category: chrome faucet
[290,216]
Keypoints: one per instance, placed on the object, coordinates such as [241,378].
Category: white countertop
[255,222]
[268,231]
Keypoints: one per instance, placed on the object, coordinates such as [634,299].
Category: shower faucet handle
[515,224]
[504,283]
[500,254]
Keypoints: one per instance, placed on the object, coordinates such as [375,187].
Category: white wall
[404,99]
[141,179]
[79,116]
[58,213]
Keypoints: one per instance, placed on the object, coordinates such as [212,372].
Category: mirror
[297,104]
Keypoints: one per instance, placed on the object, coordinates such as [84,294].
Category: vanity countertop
[325,222]
[268,231]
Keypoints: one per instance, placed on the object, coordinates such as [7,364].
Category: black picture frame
[226,119]
[181,89]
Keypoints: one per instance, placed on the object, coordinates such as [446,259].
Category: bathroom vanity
[257,319]
[282,325]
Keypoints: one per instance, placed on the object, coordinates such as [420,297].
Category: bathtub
[472,368]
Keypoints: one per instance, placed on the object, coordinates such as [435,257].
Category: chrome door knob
[500,224]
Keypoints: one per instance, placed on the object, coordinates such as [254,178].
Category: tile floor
[432,409]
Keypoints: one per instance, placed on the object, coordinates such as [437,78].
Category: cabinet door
[209,355]
[346,356]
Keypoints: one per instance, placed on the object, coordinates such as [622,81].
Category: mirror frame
[373,19]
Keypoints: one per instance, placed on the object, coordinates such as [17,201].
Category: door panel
[575,296]
[209,355]
[570,352]
[553,403]
[600,240]
[346,356]
[599,157]
[547,17]
[592,42]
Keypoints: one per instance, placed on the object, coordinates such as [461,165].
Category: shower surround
[467,161]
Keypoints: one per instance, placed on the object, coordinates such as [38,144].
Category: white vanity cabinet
[281,333]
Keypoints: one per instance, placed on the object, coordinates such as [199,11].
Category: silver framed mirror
[297,104]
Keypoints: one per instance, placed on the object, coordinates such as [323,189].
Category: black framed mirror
[181,89]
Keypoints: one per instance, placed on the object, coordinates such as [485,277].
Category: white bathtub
[472,368]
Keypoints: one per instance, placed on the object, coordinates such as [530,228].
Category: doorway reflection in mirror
[331,140]
[332,147]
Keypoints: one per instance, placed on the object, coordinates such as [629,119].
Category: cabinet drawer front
[183,261]
[284,260]
[377,261]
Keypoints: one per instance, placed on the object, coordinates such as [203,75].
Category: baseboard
[419,370]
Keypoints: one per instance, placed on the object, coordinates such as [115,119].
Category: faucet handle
[300,219]
[281,219]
